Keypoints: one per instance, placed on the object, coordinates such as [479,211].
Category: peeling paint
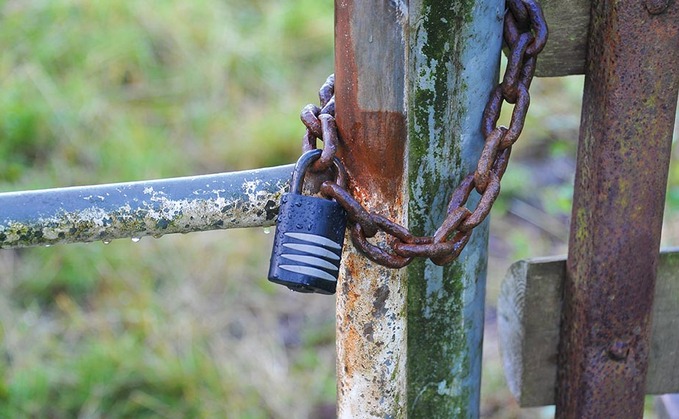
[137,209]
[451,60]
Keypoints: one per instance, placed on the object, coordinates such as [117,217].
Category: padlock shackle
[303,164]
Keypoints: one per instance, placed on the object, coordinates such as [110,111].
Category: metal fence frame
[409,341]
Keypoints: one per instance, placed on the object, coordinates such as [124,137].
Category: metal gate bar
[145,208]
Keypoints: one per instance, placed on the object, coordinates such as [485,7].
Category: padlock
[309,235]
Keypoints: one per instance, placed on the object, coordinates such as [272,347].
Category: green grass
[128,89]
[188,326]
[185,326]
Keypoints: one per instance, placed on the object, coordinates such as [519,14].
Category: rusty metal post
[370,71]
[628,113]
[412,79]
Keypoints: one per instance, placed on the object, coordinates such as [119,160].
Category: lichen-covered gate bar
[146,208]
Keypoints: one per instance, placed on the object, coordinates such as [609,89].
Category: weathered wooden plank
[529,313]
[566,50]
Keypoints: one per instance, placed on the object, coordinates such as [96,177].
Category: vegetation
[188,326]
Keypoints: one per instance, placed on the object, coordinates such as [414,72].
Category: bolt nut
[618,350]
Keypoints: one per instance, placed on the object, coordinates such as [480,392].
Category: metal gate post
[454,60]
[628,112]
[412,79]
[370,73]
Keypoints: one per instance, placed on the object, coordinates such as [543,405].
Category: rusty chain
[525,35]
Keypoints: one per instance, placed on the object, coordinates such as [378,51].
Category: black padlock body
[308,244]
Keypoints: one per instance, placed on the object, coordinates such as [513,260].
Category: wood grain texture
[529,312]
[566,50]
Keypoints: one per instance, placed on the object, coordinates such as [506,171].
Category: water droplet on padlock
[136,239]
[266,230]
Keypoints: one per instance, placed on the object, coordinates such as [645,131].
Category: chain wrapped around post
[525,35]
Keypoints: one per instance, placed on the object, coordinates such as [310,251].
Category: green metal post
[454,59]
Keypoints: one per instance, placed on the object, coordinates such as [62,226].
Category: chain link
[525,35]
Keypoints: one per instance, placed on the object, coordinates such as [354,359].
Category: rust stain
[370,319]
[348,290]
[353,339]
[376,138]
[376,162]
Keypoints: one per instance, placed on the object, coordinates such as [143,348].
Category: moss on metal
[442,366]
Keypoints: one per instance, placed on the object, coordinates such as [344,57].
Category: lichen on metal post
[143,208]
[454,61]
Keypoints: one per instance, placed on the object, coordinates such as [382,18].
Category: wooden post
[412,79]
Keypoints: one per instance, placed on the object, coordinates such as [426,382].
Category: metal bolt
[656,7]
[618,350]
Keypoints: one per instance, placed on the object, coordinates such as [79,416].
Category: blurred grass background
[188,326]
